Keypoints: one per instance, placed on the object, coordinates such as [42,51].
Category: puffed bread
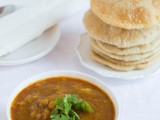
[128,63]
[118,37]
[129,51]
[128,14]
[126,58]
[118,67]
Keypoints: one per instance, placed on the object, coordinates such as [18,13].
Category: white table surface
[138,99]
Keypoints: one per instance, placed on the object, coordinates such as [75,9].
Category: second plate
[84,51]
[34,50]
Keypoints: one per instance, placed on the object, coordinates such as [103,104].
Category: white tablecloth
[138,99]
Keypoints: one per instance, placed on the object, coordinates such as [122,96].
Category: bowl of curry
[62,95]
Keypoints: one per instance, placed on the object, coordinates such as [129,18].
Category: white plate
[83,51]
[34,50]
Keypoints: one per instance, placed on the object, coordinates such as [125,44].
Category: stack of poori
[124,34]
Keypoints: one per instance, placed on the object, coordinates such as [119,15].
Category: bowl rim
[73,74]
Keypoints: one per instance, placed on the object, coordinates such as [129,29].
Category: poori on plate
[115,65]
[133,57]
[124,35]
[128,51]
[128,14]
[120,37]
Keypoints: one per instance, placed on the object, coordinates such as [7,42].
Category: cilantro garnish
[65,108]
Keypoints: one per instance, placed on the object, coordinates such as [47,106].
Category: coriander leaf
[65,108]
[86,107]
[54,113]
[82,105]
[60,108]
[57,101]
[74,98]
[67,104]
[74,115]
[60,117]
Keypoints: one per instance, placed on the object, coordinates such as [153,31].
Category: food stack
[124,34]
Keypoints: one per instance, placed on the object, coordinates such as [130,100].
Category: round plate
[34,50]
[83,51]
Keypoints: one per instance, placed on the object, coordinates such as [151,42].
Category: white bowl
[74,74]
